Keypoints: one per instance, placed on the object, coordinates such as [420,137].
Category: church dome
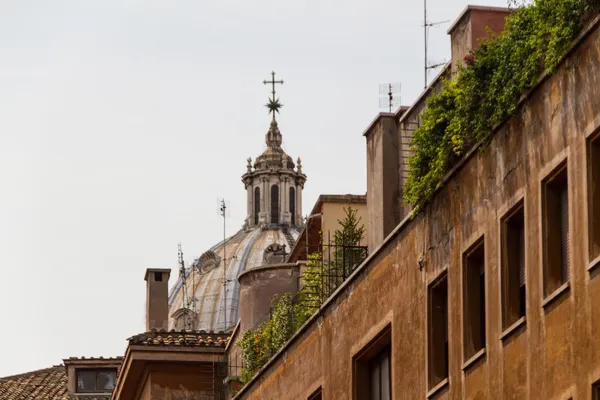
[274,218]
[207,308]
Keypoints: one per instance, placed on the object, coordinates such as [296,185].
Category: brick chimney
[157,298]
[471,27]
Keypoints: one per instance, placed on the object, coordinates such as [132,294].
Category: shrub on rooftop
[487,90]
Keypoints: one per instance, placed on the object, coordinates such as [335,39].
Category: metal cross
[273,105]
[273,82]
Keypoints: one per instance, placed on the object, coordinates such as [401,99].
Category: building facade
[492,291]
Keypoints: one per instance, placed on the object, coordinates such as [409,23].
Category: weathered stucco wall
[556,353]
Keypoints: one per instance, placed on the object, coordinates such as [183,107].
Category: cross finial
[273,105]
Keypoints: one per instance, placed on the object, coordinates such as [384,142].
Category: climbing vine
[487,90]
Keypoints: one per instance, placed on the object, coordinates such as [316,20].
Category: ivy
[487,90]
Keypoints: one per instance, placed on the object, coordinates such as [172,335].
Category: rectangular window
[596,391]
[317,395]
[373,369]
[437,334]
[513,266]
[555,213]
[96,380]
[474,300]
[594,195]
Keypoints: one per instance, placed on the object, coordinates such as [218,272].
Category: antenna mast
[223,212]
[426,26]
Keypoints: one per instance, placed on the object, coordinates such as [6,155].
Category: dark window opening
[474,300]
[596,391]
[594,196]
[513,266]
[438,331]
[373,369]
[256,204]
[555,212]
[274,204]
[317,395]
[293,205]
[158,276]
[96,380]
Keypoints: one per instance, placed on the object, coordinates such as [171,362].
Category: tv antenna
[426,26]
[223,210]
[387,92]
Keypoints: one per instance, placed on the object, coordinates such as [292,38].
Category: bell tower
[274,183]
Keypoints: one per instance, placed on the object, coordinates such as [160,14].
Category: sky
[123,121]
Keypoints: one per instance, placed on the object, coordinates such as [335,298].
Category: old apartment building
[490,291]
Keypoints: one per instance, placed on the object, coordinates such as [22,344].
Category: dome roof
[204,280]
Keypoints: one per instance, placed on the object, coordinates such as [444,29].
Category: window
[317,395]
[293,205]
[438,331]
[373,369]
[474,300]
[274,204]
[555,213]
[594,195]
[513,266]
[96,380]
[256,204]
[596,391]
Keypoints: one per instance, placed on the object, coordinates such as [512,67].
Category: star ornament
[274,106]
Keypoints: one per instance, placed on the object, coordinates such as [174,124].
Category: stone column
[250,202]
[299,204]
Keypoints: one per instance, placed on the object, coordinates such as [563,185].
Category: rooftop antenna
[426,26]
[390,89]
[186,298]
[224,212]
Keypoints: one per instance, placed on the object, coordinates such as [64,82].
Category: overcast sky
[122,122]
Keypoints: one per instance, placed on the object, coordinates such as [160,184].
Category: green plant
[487,91]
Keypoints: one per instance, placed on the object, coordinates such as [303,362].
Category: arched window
[275,204]
[293,205]
[256,204]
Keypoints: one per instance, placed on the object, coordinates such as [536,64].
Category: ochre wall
[556,354]
[183,382]
[334,212]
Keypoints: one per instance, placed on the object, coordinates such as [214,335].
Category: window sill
[438,388]
[556,294]
[473,360]
[513,328]
[592,266]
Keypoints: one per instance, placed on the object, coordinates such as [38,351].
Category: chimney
[383,190]
[157,298]
[471,27]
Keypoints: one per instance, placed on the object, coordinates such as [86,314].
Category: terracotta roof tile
[191,338]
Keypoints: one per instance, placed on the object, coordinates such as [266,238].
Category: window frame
[361,362]
[96,372]
[553,271]
[434,382]
[511,313]
[471,329]
[592,147]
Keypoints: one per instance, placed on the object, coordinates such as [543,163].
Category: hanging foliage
[487,90]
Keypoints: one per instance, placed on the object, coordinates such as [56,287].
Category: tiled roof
[43,384]
[182,338]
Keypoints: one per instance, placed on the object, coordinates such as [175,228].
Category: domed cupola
[274,183]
